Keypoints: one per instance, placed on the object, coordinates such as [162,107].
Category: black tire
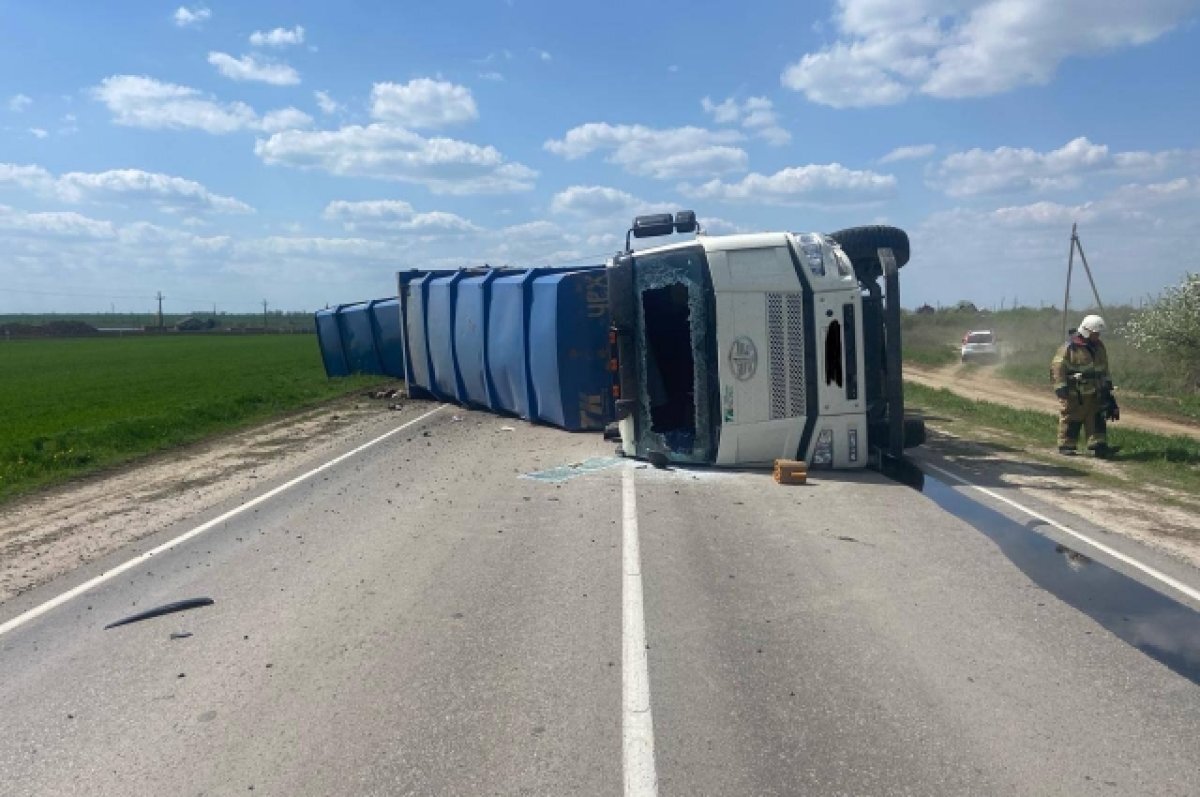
[861,245]
[914,432]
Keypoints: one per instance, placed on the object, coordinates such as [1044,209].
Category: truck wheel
[914,432]
[861,245]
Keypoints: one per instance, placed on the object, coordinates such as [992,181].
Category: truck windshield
[677,341]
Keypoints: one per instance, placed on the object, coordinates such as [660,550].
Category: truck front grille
[785,330]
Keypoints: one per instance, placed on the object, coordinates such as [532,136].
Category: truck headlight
[823,451]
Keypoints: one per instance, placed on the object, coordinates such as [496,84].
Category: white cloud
[594,200]
[38,132]
[55,225]
[138,101]
[543,55]
[172,194]
[915,152]
[1011,169]
[423,103]
[19,102]
[188,17]
[284,119]
[250,68]
[387,152]
[495,77]
[756,114]
[887,51]
[391,214]
[1133,235]
[661,153]
[326,103]
[830,184]
[33,178]
[279,37]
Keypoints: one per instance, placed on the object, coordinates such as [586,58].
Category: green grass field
[1028,338]
[75,405]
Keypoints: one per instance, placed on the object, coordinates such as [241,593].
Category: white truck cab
[736,350]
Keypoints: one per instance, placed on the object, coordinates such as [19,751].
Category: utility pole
[160,318]
[1077,244]
[264,315]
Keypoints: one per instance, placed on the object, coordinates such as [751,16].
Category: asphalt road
[421,619]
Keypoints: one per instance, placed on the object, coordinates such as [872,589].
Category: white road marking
[107,575]
[637,725]
[1115,554]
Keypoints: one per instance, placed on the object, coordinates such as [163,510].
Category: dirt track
[981,384]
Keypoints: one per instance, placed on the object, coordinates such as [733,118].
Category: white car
[979,345]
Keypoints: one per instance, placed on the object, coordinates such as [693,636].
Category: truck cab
[737,350]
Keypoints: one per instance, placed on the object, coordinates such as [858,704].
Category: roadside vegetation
[1144,458]
[1152,379]
[71,406]
[274,320]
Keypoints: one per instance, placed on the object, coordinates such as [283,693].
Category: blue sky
[226,153]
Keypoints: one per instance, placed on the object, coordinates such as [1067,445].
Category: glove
[1062,391]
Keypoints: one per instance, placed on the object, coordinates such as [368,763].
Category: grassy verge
[74,406]
[1144,457]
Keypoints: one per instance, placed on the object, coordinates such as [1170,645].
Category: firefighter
[1084,389]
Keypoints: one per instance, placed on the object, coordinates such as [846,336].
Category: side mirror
[685,221]
[652,225]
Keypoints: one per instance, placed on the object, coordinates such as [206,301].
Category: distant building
[193,324]
[926,309]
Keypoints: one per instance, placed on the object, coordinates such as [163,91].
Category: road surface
[421,618]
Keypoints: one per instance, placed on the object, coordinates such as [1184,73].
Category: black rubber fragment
[158,611]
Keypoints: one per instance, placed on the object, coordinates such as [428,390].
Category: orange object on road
[791,471]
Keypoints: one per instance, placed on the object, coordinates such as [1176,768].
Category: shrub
[1171,326]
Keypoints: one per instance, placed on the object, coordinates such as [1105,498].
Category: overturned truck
[726,350]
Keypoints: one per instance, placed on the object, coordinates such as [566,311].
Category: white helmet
[1090,324]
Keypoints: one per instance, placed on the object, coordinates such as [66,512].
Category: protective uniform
[1080,373]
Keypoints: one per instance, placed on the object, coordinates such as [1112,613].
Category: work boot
[1101,450]
[1067,451]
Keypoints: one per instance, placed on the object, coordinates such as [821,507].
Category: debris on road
[169,608]
[564,472]
[791,471]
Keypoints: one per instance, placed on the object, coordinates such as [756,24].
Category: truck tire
[861,245]
[914,432]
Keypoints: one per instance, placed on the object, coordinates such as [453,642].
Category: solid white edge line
[1115,554]
[55,602]
[637,724]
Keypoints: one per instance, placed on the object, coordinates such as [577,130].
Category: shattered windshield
[677,333]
